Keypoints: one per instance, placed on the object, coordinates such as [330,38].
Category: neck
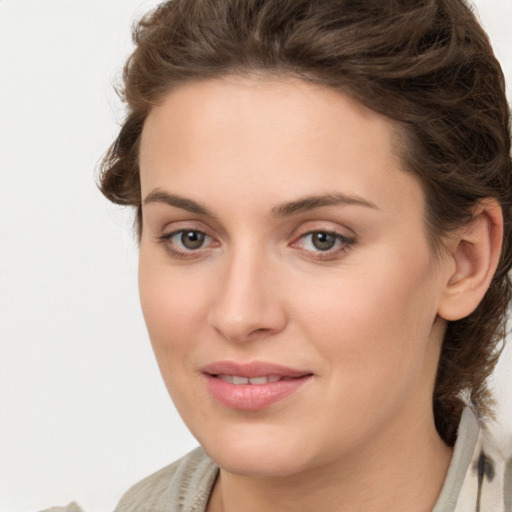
[403,471]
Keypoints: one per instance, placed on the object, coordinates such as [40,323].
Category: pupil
[323,241]
[192,239]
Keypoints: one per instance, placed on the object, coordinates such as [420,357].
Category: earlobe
[475,252]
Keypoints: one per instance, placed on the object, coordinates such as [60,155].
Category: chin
[260,453]
[257,465]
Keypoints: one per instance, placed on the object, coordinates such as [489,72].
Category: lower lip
[251,397]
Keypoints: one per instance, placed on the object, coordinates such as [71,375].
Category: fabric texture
[477,476]
[478,479]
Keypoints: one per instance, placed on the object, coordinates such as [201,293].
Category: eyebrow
[282,210]
[159,196]
[312,202]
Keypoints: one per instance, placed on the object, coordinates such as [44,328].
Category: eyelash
[328,254]
[183,254]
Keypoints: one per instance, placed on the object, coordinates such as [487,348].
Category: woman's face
[282,242]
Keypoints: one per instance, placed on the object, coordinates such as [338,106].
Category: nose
[249,303]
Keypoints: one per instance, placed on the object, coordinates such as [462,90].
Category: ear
[474,252]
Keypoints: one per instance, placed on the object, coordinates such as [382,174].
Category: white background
[83,411]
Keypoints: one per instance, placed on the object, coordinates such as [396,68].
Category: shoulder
[479,475]
[183,486]
[487,481]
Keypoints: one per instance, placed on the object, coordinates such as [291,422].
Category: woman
[323,193]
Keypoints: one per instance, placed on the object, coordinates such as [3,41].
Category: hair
[427,64]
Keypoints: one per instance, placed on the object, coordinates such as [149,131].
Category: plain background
[84,413]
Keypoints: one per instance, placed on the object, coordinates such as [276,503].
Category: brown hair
[426,64]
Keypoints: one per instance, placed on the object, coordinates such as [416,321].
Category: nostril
[259,330]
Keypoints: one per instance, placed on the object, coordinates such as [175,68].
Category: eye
[323,244]
[321,240]
[189,239]
[186,243]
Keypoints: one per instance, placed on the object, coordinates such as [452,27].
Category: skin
[364,317]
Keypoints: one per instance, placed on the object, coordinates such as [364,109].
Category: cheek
[174,305]
[373,326]
[174,310]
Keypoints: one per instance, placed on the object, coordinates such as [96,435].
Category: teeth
[235,379]
[258,380]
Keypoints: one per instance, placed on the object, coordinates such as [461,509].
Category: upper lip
[252,369]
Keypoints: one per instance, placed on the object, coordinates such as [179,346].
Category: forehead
[261,104]
[276,136]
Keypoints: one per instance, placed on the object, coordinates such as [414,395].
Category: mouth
[253,370]
[241,381]
[252,386]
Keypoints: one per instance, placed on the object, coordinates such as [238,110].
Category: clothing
[477,479]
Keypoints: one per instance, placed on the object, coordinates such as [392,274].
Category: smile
[236,379]
[252,386]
